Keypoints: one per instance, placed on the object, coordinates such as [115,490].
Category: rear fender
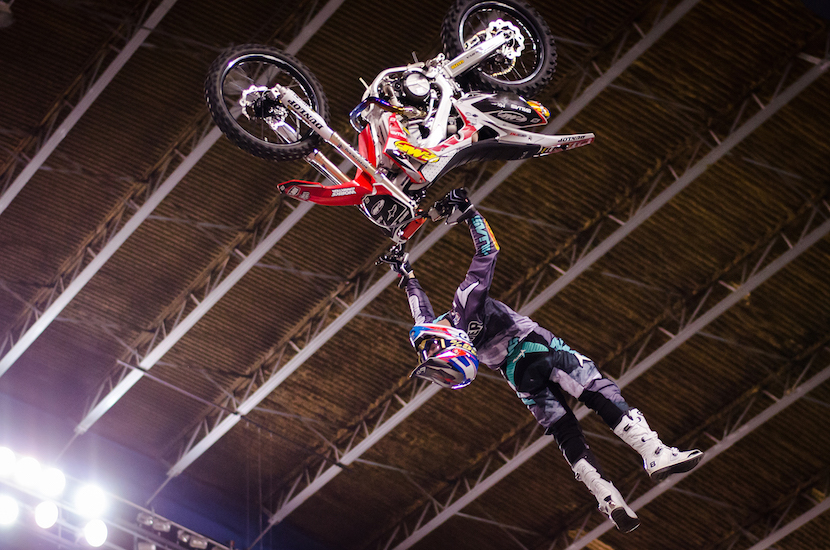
[344,194]
[547,143]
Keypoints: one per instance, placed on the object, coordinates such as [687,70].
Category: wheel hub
[260,102]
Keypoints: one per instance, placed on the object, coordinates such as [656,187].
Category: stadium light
[52,482]
[7,462]
[46,514]
[95,533]
[27,472]
[9,510]
[90,501]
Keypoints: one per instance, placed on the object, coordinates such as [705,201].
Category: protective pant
[539,368]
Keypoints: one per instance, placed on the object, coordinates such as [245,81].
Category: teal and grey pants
[541,369]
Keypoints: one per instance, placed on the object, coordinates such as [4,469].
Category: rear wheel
[237,90]
[524,68]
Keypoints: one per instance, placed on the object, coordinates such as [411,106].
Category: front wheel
[237,90]
[524,68]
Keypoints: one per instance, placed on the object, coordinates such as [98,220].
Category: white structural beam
[681,183]
[794,525]
[45,319]
[150,360]
[531,450]
[790,397]
[221,428]
[88,99]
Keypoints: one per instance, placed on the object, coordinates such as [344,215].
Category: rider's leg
[659,460]
[571,440]
[528,369]
[579,376]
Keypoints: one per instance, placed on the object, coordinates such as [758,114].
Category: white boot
[610,500]
[659,460]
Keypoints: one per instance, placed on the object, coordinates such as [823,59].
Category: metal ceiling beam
[723,148]
[128,377]
[794,525]
[812,491]
[32,331]
[790,396]
[86,101]
[693,327]
[223,425]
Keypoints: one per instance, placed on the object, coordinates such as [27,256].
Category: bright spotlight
[27,472]
[95,533]
[7,462]
[46,514]
[90,501]
[52,482]
[8,510]
[198,542]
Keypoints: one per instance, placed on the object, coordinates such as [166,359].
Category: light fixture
[52,482]
[198,542]
[145,546]
[27,472]
[183,536]
[162,525]
[95,533]
[8,510]
[144,519]
[90,501]
[46,514]
[7,462]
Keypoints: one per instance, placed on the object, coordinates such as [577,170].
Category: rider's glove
[398,261]
[454,206]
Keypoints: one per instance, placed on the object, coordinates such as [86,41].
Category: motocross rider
[538,366]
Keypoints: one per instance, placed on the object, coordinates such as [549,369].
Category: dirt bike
[414,123]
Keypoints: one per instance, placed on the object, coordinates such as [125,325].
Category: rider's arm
[419,305]
[472,293]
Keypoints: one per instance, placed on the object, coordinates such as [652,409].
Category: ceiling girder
[30,327]
[173,327]
[46,138]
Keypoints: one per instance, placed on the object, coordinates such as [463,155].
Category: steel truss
[179,316]
[808,500]
[71,278]
[84,90]
[522,446]
[108,237]
[216,424]
[104,241]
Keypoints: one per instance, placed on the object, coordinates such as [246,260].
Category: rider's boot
[659,460]
[610,500]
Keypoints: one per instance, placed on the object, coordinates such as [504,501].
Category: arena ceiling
[158,296]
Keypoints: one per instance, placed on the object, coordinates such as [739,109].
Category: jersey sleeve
[419,305]
[468,302]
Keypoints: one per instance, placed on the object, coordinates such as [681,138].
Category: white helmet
[448,357]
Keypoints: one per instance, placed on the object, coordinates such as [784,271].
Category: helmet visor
[428,347]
